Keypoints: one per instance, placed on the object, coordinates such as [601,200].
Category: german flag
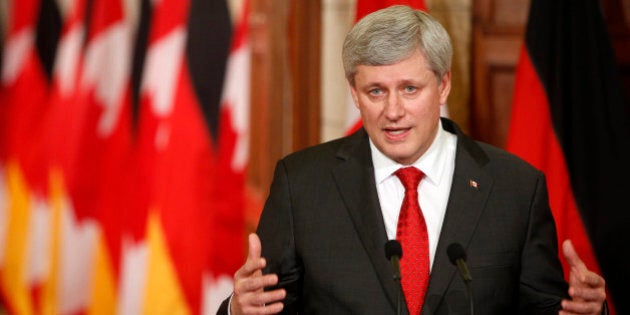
[570,120]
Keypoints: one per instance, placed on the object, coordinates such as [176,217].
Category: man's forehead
[375,75]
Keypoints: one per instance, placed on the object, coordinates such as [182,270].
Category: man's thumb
[255,248]
[571,255]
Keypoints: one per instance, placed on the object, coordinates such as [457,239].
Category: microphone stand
[461,264]
[393,252]
[397,278]
[469,290]
[457,256]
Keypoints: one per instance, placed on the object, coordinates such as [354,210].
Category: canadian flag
[123,151]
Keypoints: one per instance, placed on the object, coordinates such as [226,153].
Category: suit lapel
[355,181]
[470,189]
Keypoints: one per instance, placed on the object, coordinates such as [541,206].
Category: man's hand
[249,283]
[586,288]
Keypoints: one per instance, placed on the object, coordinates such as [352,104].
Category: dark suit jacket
[322,232]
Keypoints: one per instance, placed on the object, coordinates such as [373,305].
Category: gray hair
[391,35]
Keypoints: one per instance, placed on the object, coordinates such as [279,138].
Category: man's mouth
[396,133]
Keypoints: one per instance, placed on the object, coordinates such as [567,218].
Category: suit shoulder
[487,156]
[506,161]
[319,154]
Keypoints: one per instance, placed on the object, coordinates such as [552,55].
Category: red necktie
[412,235]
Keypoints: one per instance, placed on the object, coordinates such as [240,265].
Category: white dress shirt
[438,165]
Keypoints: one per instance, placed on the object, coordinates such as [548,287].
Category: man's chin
[399,157]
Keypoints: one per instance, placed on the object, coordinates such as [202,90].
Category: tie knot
[410,177]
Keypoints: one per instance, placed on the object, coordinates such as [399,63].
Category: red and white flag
[123,151]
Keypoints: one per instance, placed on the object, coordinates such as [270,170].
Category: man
[332,207]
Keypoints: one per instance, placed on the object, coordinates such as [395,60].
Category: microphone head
[393,248]
[455,251]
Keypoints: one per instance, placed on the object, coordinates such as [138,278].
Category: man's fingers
[260,298]
[254,262]
[274,308]
[250,267]
[571,255]
[575,307]
[591,279]
[255,248]
[251,284]
[588,294]
[268,298]
[260,302]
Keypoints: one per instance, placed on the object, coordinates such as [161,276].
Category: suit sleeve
[276,233]
[224,307]
[542,284]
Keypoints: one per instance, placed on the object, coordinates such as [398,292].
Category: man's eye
[410,89]
[375,92]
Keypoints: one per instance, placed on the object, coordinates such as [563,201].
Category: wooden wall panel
[498,28]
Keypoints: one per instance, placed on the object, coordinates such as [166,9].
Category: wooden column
[285,38]
[305,55]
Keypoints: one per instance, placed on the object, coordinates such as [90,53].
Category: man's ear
[354,94]
[445,87]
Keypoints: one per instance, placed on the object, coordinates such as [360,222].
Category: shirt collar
[432,163]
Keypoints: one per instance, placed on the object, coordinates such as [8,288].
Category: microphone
[457,256]
[393,252]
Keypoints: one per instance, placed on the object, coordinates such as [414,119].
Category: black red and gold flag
[570,119]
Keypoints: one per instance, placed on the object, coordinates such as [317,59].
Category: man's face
[400,106]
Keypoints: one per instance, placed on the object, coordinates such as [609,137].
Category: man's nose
[394,108]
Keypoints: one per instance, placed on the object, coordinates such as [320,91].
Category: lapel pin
[473,184]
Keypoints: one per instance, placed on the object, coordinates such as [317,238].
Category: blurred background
[138,138]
